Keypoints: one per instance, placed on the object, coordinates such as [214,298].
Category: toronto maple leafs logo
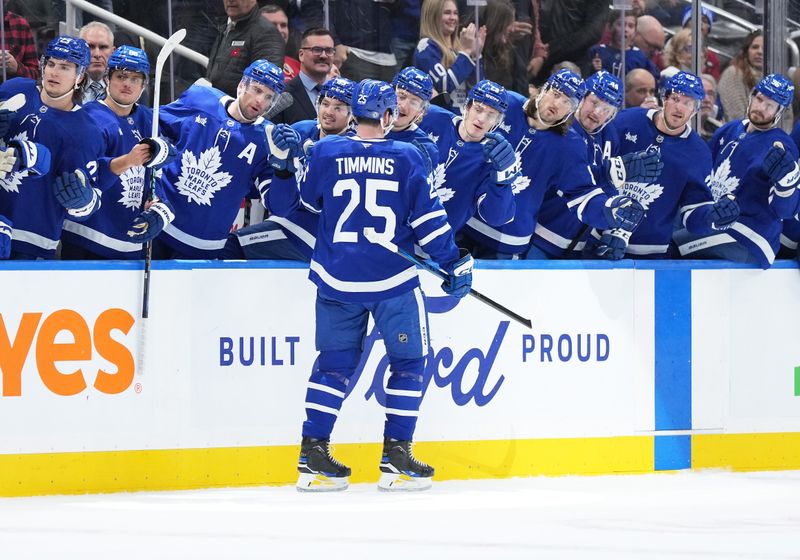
[720,180]
[433,137]
[132,181]
[521,183]
[12,181]
[631,137]
[201,120]
[439,176]
[645,193]
[201,178]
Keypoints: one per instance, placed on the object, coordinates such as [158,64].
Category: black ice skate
[319,471]
[400,470]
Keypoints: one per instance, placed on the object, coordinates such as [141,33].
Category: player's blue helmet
[70,49]
[129,58]
[414,81]
[777,87]
[607,87]
[686,84]
[489,93]
[372,98]
[264,72]
[569,83]
[340,89]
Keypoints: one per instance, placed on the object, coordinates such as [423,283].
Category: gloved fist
[285,147]
[459,275]
[500,154]
[781,167]
[612,245]
[6,117]
[5,237]
[72,192]
[623,212]
[723,213]
[149,223]
[642,167]
[162,152]
[8,162]
[31,157]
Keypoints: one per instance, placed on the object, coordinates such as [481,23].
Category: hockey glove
[623,212]
[31,157]
[5,237]
[285,147]
[162,152]
[613,244]
[74,194]
[642,167]
[501,155]
[8,161]
[459,275]
[781,168]
[723,214]
[149,223]
[6,117]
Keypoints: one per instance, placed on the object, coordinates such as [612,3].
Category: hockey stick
[284,101]
[372,237]
[163,55]
[14,103]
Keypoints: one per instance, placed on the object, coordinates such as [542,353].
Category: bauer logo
[69,351]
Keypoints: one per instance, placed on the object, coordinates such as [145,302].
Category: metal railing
[69,28]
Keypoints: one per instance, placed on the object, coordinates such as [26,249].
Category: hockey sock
[326,391]
[403,398]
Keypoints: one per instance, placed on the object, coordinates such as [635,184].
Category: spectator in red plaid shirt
[19,56]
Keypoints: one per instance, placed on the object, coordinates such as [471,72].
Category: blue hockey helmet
[685,83]
[569,83]
[777,87]
[607,87]
[372,98]
[489,93]
[70,49]
[264,72]
[129,58]
[414,81]
[340,89]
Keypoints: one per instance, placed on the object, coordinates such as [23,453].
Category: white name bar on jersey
[353,165]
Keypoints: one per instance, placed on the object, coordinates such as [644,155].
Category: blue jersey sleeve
[428,58]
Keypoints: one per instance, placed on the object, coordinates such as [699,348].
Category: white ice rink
[706,515]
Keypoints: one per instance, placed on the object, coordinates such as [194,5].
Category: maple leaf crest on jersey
[644,193]
[201,178]
[132,180]
[720,180]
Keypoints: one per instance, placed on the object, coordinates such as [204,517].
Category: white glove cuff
[616,172]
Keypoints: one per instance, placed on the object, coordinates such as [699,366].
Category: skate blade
[398,482]
[308,482]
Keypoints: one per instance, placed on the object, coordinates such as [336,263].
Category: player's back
[363,186]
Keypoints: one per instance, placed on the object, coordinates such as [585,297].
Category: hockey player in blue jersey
[414,89]
[119,228]
[681,186]
[476,165]
[290,232]
[755,162]
[553,157]
[227,148]
[37,203]
[366,187]
[559,232]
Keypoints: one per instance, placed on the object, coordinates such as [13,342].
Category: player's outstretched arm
[23,155]
[783,172]
[74,193]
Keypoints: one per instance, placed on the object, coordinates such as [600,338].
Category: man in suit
[316,57]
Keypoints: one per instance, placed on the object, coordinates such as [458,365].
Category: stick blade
[14,103]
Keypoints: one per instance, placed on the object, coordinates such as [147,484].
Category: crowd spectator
[741,76]
[711,65]
[100,39]
[316,60]
[570,28]
[405,30]
[364,28]
[19,55]
[650,39]
[640,89]
[247,37]
[447,53]
[668,12]
[277,17]
[710,118]
[501,61]
[609,57]
[678,52]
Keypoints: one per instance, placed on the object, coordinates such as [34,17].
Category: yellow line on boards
[747,452]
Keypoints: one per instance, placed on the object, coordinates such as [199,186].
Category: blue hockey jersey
[681,186]
[463,178]
[549,161]
[28,200]
[557,226]
[380,186]
[105,232]
[454,81]
[611,58]
[738,156]
[220,161]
